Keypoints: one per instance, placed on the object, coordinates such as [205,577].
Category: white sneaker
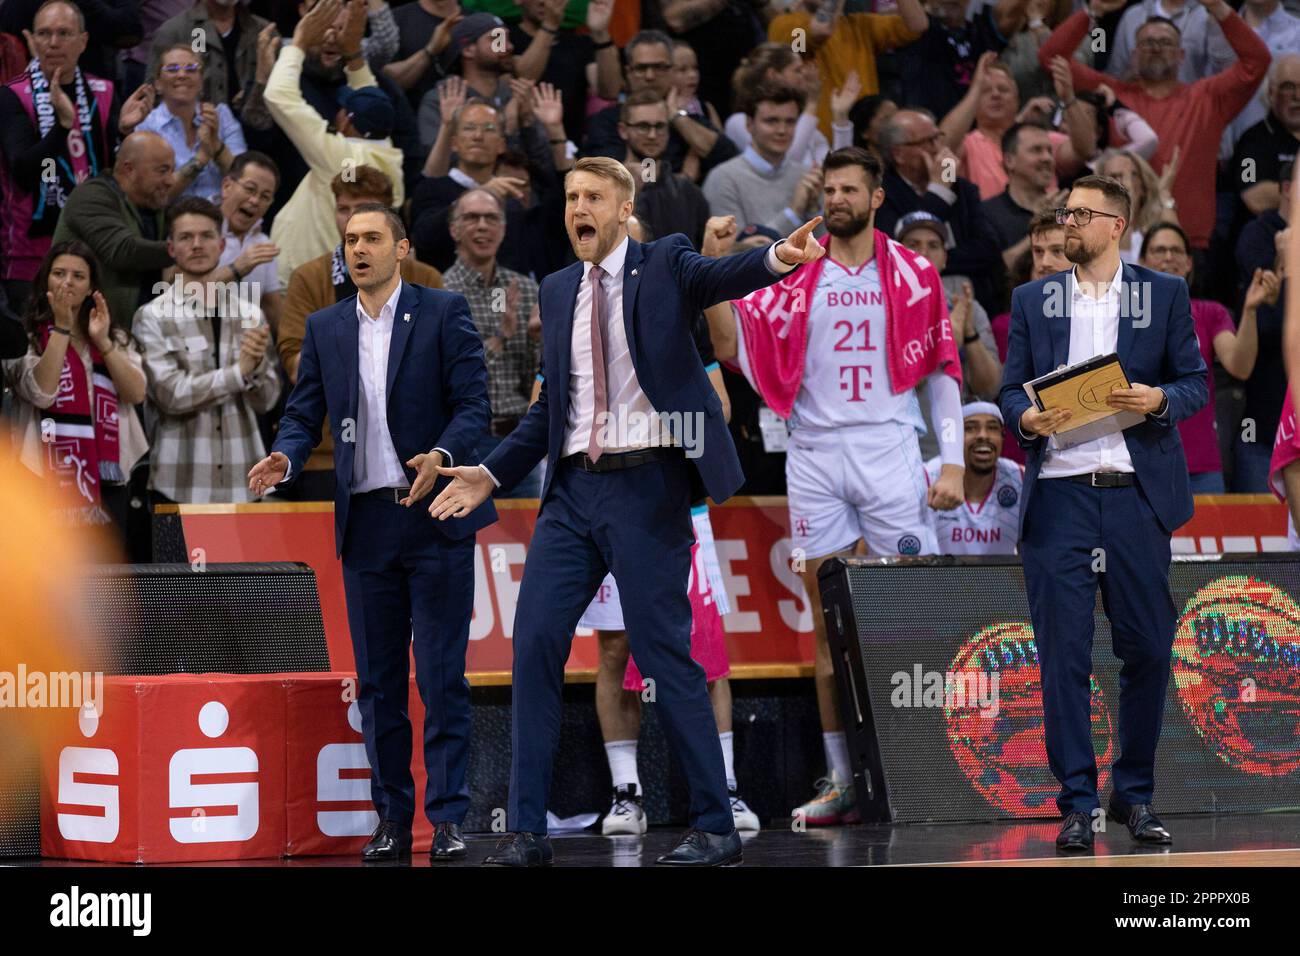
[746,819]
[626,815]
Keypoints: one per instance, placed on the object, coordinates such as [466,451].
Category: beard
[599,246]
[640,156]
[1079,252]
[846,228]
[314,69]
[1157,71]
[376,279]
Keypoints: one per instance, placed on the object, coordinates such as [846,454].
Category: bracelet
[543,26]
[557,142]
[603,46]
[55,328]
[355,55]
[112,347]
[973,337]
[234,270]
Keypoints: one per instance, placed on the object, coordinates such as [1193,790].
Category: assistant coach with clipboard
[1101,512]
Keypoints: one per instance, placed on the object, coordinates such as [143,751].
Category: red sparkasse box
[328,808]
[173,768]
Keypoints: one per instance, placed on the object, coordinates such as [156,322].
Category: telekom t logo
[343,776]
[858,381]
[238,791]
[79,767]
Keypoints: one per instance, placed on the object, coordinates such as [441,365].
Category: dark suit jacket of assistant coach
[436,393]
[1162,354]
[664,283]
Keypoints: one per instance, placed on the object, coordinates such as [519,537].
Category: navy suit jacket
[436,386]
[1156,345]
[665,284]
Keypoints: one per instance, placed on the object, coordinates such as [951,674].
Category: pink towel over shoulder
[774,323]
[1286,448]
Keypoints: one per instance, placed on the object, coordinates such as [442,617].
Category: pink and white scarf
[774,323]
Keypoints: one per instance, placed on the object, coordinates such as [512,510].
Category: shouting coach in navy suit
[633,433]
[1102,512]
[400,371]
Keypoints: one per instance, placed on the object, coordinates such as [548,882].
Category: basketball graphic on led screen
[1236,666]
[1002,749]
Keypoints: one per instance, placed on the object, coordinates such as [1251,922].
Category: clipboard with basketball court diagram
[1083,388]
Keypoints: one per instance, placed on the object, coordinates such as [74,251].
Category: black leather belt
[394,495]
[617,460]
[1105,479]
[501,427]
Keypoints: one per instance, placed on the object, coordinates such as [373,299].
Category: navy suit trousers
[406,585]
[1069,529]
[637,523]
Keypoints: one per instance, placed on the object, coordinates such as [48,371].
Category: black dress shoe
[390,841]
[1076,833]
[1142,823]
[522,849]
[701,848]
[447,842]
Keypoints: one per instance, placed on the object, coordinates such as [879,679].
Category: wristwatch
[973,337]
[1169,203]
[354,55]
[682,114]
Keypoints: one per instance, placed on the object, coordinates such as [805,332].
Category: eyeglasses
[47,34]
[645,129]
[1082,215]
[174,68]
[1166,251]
[1287,89]
[473,218]
[471,128]
[252,190]
[644,68]
[934,137]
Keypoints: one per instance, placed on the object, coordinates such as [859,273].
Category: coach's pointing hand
[801,247]
[469,488]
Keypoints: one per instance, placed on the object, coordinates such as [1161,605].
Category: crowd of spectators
[159,153]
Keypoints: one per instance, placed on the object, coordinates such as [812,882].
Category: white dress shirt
[634,422]
[1094,330]
[376,464]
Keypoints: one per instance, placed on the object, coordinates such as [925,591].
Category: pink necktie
[600,407]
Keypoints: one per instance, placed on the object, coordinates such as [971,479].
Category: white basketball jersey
[987,527]
[846,378]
